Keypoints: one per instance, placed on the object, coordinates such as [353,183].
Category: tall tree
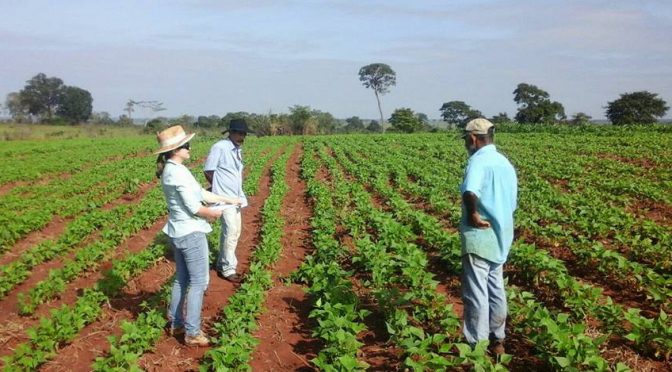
[42,94]
[129,108]
[405,120]
[636,108]
[458,113]
[379,77]
[75,105]
[535,105]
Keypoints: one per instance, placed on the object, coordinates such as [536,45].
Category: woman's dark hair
[161,162]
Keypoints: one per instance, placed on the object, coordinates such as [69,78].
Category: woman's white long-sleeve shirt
[184,196]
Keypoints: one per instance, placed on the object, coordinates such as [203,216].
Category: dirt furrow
[284,328]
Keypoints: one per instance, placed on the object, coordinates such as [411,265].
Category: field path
[284,328]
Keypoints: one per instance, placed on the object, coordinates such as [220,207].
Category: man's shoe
[497,347]
[198,340]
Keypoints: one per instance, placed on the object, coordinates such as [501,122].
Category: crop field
[350,254]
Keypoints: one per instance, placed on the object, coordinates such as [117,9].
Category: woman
[186,228]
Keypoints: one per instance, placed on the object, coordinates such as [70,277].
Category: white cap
[478,126]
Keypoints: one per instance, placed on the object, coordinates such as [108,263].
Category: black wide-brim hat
[238,125]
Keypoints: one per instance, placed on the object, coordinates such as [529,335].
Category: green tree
[326,123]
[379,77]
[636,108]
[354,125]
[76,105]
[211,121]
[580,118]
[404,120]
[226,119]
[298,116]
[261,125]
[500,118]
[182,120]
[42,95]
[154,125]
[535,105]
[373,127]
[458,113]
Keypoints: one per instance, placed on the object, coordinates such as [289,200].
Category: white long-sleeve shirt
[184,196]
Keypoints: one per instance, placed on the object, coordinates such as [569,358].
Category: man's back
[492,178]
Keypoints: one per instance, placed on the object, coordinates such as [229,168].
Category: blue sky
[206,57]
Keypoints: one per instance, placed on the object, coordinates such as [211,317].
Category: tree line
[534,106]
[48,99]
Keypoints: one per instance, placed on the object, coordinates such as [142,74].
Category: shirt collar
[486,149]
[235,147]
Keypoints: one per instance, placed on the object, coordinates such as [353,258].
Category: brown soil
[561,184]
[9,186]
[8,305]
[93,342]
[645,163]
[58,224]
[613,286]
[52,231]
[284,329]
[655,211]
[170,354]
[74,289]
[378,351]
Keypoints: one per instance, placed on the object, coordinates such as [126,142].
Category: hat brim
[176,145]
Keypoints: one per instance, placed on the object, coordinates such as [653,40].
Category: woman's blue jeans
[484,299]
[191,280]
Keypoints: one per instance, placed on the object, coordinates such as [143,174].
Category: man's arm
[470,201]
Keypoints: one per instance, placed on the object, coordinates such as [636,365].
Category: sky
[208,57]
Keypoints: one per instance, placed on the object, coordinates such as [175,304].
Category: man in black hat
[224,170]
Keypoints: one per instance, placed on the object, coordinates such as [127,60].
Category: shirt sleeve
[213,158]
[189,191]
[474,179]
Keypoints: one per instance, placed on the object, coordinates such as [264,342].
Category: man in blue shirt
[489,196]
[224,170]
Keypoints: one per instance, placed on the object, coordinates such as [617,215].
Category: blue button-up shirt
[226,160]
[492,178]
[183,195]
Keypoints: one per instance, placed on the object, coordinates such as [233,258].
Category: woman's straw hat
[172,138]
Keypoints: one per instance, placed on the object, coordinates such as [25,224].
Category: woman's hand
[210,214]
